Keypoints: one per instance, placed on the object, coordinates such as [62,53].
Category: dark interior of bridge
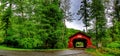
[79,43]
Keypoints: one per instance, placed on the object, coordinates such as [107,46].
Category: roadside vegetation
[105,37]
[21,49]
[40,24]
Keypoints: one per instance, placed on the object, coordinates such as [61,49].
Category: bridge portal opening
[80,43]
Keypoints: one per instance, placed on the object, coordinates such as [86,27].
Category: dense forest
[105,36]
[32,24]
[40,24]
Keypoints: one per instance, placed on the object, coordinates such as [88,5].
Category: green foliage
[115,44]
[60,45]
[116,31]
[98,15]
[39,24]
[98,52]
[113,51]
[32,24]
[1,36]
[116,10]
[1,40]
[30,43]
[71,32]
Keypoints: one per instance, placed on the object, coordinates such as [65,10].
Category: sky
[78,24]
[75,24]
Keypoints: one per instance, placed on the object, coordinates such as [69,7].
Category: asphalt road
[71,52]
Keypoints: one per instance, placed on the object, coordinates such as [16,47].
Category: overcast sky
[76,24]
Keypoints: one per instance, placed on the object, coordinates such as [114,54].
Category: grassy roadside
[9,48]
[98,52]
[18,49]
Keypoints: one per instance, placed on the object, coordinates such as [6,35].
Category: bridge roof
[79,33]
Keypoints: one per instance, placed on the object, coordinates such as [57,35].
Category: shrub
[11,41]
[1,40]
[30,43]
[115,44]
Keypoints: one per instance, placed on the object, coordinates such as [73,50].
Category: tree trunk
[99,44]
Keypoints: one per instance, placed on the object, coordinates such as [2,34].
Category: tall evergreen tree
[98,14]
[117,9]
[115,20]
[84,12]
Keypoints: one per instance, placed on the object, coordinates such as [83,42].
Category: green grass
[10,48]
[18,49]
[98,52]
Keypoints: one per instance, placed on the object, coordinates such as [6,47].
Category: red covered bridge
[79,40]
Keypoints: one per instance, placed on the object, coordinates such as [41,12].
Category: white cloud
[75,25]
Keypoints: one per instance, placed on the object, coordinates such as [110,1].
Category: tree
[65,6]
[117,8]
[115,20]
[84,12]
[5,19]
[98,14]
[32,24]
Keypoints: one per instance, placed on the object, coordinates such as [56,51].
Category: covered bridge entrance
[79,40]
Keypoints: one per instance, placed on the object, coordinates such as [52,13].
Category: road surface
[70,52]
